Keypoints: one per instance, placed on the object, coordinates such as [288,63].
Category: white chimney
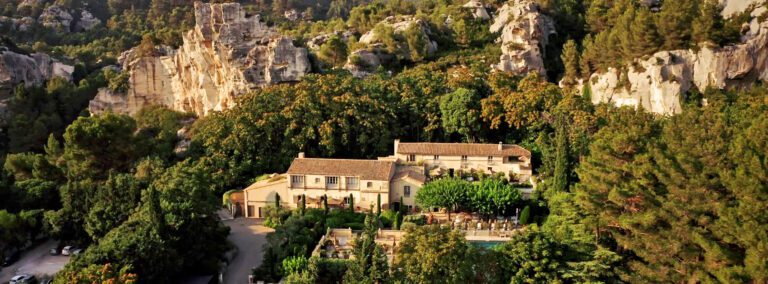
[301,155]
[501,145]
[397,145]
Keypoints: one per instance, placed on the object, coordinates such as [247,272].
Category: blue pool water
[486,244]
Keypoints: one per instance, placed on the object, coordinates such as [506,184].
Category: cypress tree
[402,206]
[396,222]
[586,60]
[525,215]
[378,205]
[303,204]
[570,59]
[560,178]
[351,203]
[325,204]
[277,200]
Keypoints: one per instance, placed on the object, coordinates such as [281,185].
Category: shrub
[524,216]
[388,218]
[408,226]
[415,219]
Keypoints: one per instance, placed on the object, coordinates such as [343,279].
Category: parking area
[249,236]
[36,262]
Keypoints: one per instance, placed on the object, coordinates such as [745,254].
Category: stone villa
[388,178]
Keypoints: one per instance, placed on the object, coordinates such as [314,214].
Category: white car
[23,279]
[67,250]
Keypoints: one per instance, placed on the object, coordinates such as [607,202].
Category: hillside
[123,122]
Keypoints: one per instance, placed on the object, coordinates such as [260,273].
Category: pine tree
[674,23]
[645,37]
[708,26]
[570,59]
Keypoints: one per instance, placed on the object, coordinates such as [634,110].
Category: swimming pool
[486,244]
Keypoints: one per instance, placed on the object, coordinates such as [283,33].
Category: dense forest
[623,195]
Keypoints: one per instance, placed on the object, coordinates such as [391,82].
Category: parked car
[10,258]
[67,250]
[76,251]
[54,251]
[23,279]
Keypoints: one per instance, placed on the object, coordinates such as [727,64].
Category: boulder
[657,83]
[56,17]
[524,31]
[225,55]
[400,24]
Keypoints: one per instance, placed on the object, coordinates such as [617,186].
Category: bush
[388,218]
[354,225]
[420,220]
[407,226]
[275,216]
[525,215]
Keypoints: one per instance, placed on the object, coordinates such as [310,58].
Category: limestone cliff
[524,31]
[225,55]
[656,83]
[17,67]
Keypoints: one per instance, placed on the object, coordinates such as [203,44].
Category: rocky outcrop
[86,22]
[478,9]
[400,25]
[225,55]
[30,69]
[14,24]
[656,84]
[363,62]
[56,17]
[524,31]
[316,42]
[17,67]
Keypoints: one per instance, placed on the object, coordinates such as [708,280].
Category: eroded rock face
[316,42]
[225,55]
[56,17]
[524,33]
[657,84]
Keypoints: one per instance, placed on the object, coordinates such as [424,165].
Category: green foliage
[493,196]
[95,273]
[295,264]
[525,215]
[430,254]
[334,51]
[448,193]
[681,188]
[460,113]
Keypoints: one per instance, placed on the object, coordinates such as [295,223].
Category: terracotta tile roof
[410,174]
[462,149]
[365,169]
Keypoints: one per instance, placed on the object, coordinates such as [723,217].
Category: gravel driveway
[249,236]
